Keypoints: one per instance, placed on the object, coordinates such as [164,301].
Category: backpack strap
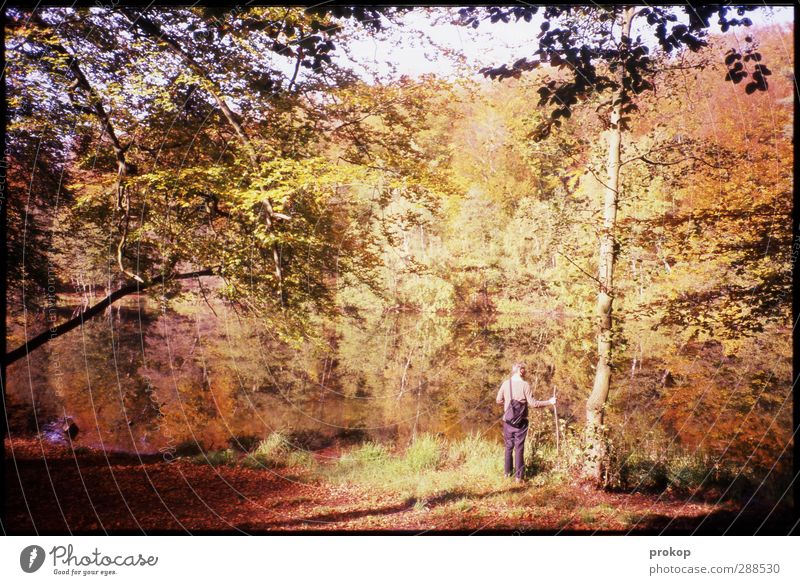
[510,398]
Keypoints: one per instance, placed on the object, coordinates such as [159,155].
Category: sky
[416,48]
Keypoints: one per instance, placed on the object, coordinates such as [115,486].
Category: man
[515,395]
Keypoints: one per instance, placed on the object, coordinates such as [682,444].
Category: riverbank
[54,490]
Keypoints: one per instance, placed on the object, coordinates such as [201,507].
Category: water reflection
[147,380]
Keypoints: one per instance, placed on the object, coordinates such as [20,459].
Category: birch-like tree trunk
[595,455]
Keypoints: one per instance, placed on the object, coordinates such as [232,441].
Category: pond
[200,376]
[145,380]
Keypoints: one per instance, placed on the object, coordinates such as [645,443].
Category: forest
[256,282]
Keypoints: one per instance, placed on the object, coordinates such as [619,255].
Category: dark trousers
[514,439]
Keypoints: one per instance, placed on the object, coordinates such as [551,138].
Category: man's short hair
[517,367]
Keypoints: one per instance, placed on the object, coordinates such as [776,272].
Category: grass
[517,512]
[424,453]
[464,505]
[215,458]
[274,451]
[466,475]
[632,518]
[477,457]
[596,513]
[463,475]
[366,454]
[428,469]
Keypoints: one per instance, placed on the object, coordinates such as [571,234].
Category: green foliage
[216,458]
[425,452]
[428,293]
[366,454]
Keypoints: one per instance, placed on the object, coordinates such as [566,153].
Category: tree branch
[673,162]
[594,278]
[96,108]
[296,68]
[153,30]
[93,311]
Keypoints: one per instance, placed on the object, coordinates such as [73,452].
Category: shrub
[243,442]
[187,449]
[277,450]
[688,471]
[640,472]
[272,451]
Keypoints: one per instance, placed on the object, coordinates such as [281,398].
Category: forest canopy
[235,156]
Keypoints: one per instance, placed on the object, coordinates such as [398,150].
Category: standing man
[515,395]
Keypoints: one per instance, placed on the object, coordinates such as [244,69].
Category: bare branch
[96,108]
[95,310]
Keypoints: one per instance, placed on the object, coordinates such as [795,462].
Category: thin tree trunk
[90,312]
[595,454]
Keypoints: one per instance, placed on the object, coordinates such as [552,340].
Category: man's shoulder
[518,383]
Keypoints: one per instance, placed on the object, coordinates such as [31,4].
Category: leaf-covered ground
[51,489]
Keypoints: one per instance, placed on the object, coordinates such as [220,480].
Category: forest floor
[51,489]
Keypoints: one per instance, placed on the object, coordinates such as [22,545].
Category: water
[140,379]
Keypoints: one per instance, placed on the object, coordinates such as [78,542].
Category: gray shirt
[521,391]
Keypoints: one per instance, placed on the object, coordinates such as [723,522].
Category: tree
[204,161]
[597,58]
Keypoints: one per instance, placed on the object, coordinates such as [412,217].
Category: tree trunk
[595,454]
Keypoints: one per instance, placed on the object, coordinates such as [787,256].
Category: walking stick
[555,417]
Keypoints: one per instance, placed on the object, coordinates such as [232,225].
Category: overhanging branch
[93,311]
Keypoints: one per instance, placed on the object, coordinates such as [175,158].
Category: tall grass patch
[424,452]
[277,450]
[429,469]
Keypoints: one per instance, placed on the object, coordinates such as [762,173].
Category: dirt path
[50,490]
